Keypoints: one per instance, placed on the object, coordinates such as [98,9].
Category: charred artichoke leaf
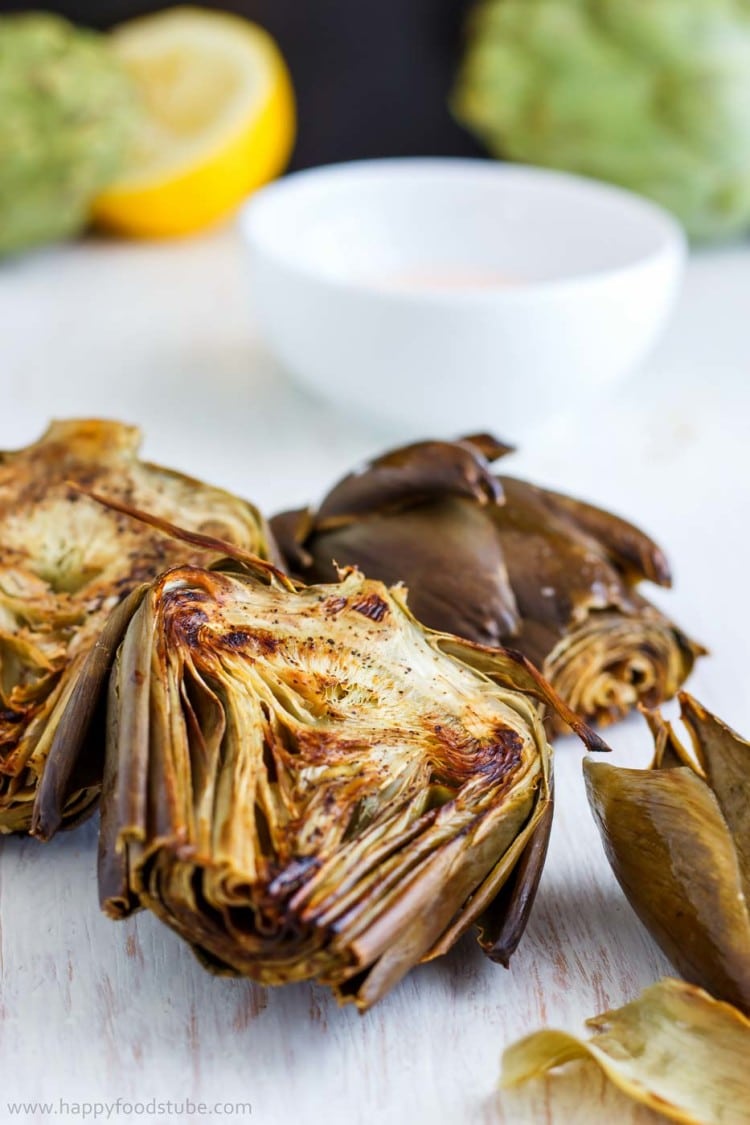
[306,784]
[502,914]
[627,547]
[677,855]
[72,780]
[417,515]
[674,1049]
[551,575]
[502,924]
[447,554]
[414,473]
[573,569]
[66,563]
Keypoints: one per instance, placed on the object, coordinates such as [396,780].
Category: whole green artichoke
[653,95]
[66,114]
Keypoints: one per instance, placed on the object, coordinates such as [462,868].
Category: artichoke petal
[677,854]
[668,750]
[501,915]
[674,1049]
[447,554]
[307,784]
[627,547]
[725,759]
[290,530]
[69,781]
[503,922]
[414,473]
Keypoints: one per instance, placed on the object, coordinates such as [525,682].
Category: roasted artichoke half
[306,784]
[678,838]
[66,562]
[501,561]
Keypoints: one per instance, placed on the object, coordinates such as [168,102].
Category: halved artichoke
[500,561]
[306,784]
[678,838]
[65,563]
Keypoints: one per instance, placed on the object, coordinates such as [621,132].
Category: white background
[163,336]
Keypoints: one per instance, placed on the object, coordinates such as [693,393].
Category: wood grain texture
[96,1010]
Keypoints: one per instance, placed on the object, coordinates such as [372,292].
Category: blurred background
[371,79]
[652,97]
[126,126]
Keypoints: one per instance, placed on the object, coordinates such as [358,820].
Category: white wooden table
[91,1010]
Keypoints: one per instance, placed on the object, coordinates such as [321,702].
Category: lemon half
[218,121]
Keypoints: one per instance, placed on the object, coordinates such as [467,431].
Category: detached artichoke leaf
[675,1049]
[678,847]
[307,784]
[499,561]
[66,563]
[669,752]
[725,759]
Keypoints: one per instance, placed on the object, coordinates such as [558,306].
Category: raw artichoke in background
[306,784]
[67,113]
[66,563]
[653,95]
[500,561]
[678,838]
[674,1049]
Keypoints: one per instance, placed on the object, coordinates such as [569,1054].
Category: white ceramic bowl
[456,294]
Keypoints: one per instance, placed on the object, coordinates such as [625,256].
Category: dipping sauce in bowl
[437,279]
[449,295]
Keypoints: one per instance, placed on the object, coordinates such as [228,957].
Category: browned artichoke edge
[157,851]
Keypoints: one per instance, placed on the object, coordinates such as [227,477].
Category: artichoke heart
[674,1049]
[66,562]
[306,784]
[501,561]
[678,838]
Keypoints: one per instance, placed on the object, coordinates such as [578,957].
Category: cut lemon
[218,121]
